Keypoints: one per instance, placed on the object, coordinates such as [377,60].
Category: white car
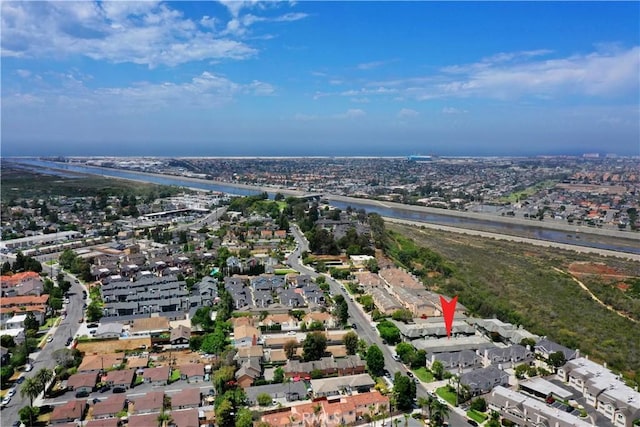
[11,392]
[50,338]
[6,400]
[28,368]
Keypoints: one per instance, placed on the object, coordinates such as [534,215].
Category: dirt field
[592,268]
[111,346]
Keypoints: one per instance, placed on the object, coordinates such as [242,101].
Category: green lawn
[477,416]
[49,323]
[423,374]
[283,271]
[175,375]
[447,394]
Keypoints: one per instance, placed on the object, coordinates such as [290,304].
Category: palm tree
[164,418]
[424,403]
[439,411]
[43,376]
[31,389]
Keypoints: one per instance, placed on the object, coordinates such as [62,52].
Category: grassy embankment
[20,183]
[517,283]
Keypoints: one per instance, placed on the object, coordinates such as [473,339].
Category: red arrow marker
[448,310]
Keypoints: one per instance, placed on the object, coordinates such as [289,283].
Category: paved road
[363,321]
[43,359]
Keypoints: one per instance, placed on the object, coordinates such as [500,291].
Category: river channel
[577,236]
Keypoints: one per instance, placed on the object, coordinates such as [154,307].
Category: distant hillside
[518,283]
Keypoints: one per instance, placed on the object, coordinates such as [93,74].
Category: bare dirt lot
[112,346]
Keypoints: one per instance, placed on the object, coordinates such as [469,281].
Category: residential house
[185,418]
[180,336]
[299,280]
[433,327]
[192,372]
[291,297]
[453,361]
[285,321]
[151,401]
[108,330]
[186,398]
[498,330]
[143,420]
[546,347]
[155,327]
[123,378]
[289,391]
[156,376]
[21,284]
[484,380]
[100,362]
[507,357]
[244,354]
[335,386]
[349,365]
[245,335]
[138,362]
[603,390]
[344,410]
[82,382]
[110,407]
[529,412]
[68,412]
[248,372]
[326,319]
[106,422]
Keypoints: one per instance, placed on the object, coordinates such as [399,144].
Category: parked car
[28,367]
[20,379]
[104,388]
[472,422]
[119,390]
[69,340]
[410,374]
[11,392]
[6,400]
[81,320]
[82,393]
[50,338]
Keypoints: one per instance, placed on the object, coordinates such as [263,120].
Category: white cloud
[304,117]
[606,73]
[407,113]
[147,32]
[452,110]
[290,17]
[370,65]
[351,113]
[23,73]
[206,90]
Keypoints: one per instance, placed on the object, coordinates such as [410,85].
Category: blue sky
[319,78]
